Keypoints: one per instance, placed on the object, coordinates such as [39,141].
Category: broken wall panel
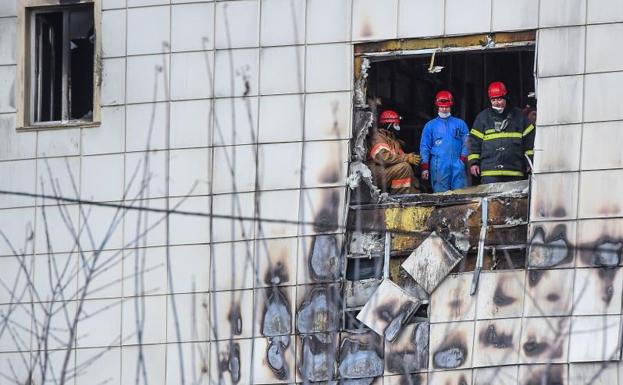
[552,244]
[501,375]
[548,292]
[388,310]
[497,342]
[597,291]
[600,242]
[595,338]
[544,340]
[500,294]
[409,352]
[451,300]
[451,345]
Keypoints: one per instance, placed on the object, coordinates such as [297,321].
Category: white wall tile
[281,118]
[191,75]
[237,24]
[7,87]
[18,276]
[58,143]
[226,303]
[282,22]
[192,27]
[595,338]
[374,20]
[14,144]
[144,228]
[114,33]
[9,8]
[186,229]
[60,224]
[562,12]
[333,72]
[234,169]
[194,361]
[145,174]
[229,211]
[547,154]
[500,375]
[189,172]
[494,354]
[601,145]
[599,39]
[282,70]
[146,126]
[551,334]
[604,11]
[276,255]
[148,30]
[328,21]
[103,228]
[18,226]
[107,370]
[554,196]
[94,314]
[102,177]
[189,320]
[509,15]
[58,177]
[559,100]
[232,266]
[596,373]
[113,81]
[600,194]
[327,116]
[451,300]
[8,40]
[440,337]
[322,210]
[544,236]
[561,51]
[109,136]
[191,122]
[154,359]
[146,78]
[144,273]
[139,3]
[47,273]
[420,18]
[451,376]
[235,121]
[54,317]
[597,291]
[601,97]
[236,72]
[468,17]
[106,274]
[282,207]
[19,176]
[493,286]
[279,165]
[548,294]
[189,267]
[325,163]
[594,233]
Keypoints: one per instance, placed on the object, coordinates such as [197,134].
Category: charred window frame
[58,82]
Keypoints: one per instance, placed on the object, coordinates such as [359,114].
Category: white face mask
[499,110]
[443,115]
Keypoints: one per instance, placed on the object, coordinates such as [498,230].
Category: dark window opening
[63,47]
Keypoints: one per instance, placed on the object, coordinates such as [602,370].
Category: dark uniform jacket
[499,142]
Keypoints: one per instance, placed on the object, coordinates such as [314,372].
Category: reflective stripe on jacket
[385,148]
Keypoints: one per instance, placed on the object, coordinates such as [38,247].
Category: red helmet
[444,99]
[389,116]
[497,90]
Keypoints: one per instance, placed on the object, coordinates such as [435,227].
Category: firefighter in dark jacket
[500,140]
[391,167]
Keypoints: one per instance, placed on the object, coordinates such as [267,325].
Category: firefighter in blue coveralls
[443,147]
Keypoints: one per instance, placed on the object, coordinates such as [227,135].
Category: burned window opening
[63,51]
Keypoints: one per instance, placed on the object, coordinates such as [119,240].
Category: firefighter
[391,167]
[500,140]
[443,147]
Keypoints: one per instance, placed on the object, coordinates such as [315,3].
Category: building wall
[243,108]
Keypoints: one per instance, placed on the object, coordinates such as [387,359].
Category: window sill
[58,126]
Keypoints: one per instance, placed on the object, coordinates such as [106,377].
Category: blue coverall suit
[443,148]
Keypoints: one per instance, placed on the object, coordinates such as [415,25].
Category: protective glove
[413,159]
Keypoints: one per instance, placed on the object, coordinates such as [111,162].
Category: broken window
[61,52]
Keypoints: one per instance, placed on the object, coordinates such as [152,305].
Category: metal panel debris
[388,310]
[431,262]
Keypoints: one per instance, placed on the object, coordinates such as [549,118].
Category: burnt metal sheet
[398,275]
[451,300]
[543,374]
[407,219]
[451,345]
[388,310]
[431,262]
[507,236]
[597,291]
[501,375]
[361,355]
[551,245]
[548,292]
[366,219]
[455,217]
[357,293]
[501,294]
[409,352]
[595,338]
[544,340]
[508,211]
[497,342]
